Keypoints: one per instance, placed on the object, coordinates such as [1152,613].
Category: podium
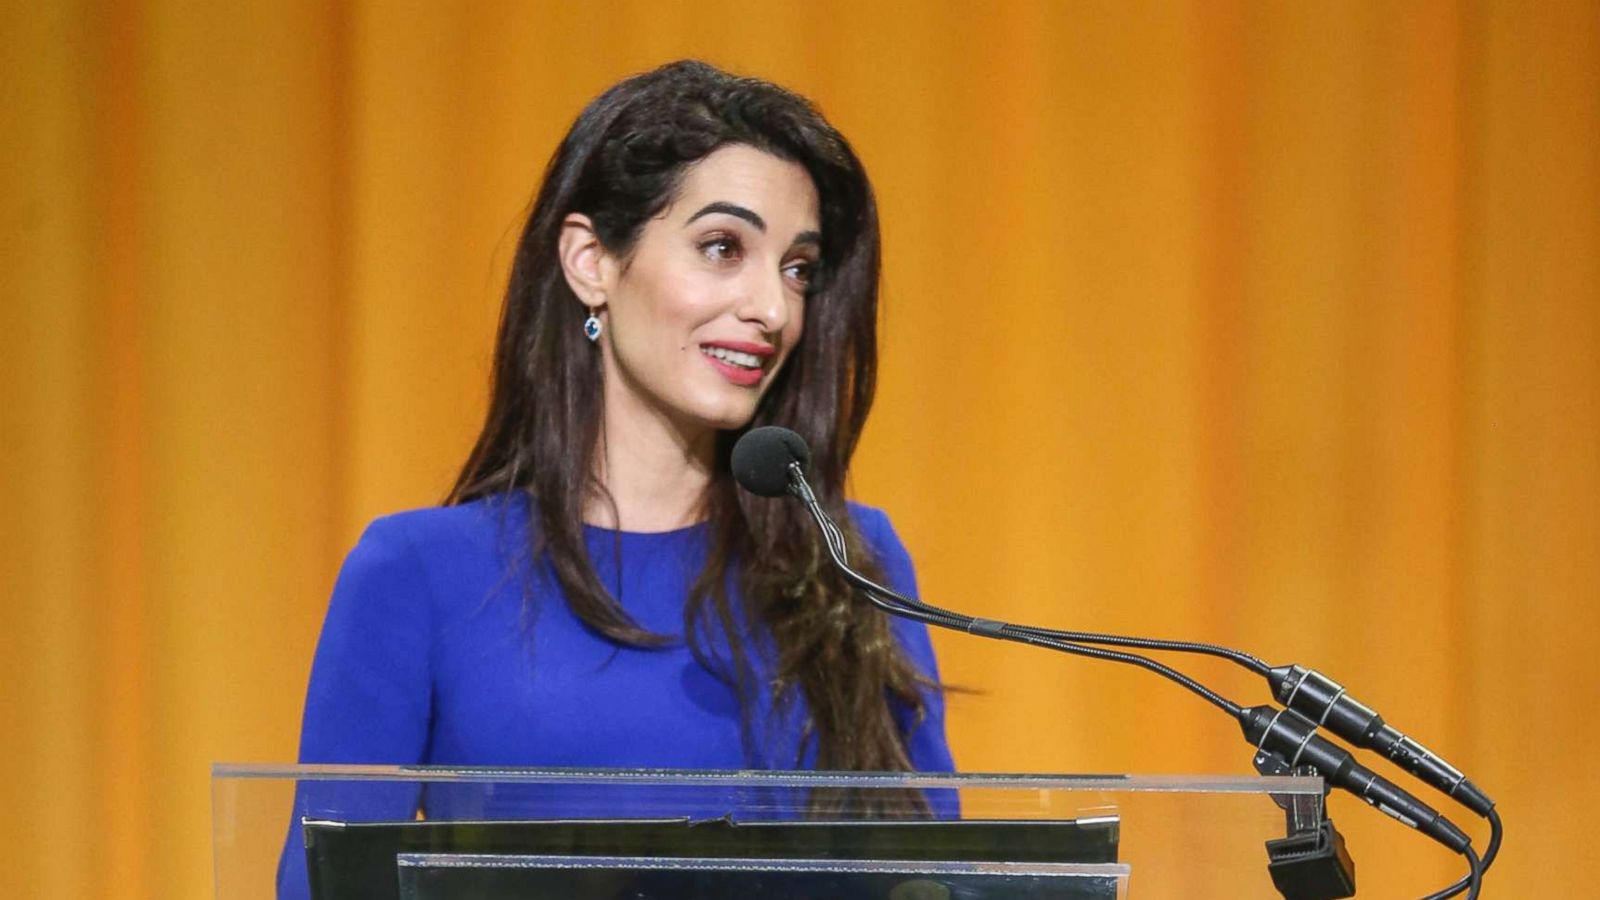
[432,833]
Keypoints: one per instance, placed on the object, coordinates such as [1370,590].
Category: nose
[763,302]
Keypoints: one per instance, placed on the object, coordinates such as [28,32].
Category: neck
[656,471]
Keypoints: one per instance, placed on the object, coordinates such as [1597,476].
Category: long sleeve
[371,686]
[927,746]
[369,699]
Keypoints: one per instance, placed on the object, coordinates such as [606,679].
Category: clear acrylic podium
[428,833]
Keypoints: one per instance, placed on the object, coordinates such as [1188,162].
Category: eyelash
[734,251]
[808,280]
[735,248]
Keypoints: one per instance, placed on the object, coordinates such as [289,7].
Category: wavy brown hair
[621,164]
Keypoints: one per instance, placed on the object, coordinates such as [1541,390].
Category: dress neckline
[684,530]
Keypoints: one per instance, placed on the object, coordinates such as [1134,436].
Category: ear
[584,261]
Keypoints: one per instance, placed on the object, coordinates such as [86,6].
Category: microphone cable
[770,461]
[1270,729]
[1304,690]
[1060,640]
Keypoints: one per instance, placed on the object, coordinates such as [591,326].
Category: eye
[721,248]
[801,272]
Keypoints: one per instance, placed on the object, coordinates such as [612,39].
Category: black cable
[766,458]
[894,603]
[1254,664]
[1474,874]
[1217,700]
[1304,690]
[1496,830]
[886,599]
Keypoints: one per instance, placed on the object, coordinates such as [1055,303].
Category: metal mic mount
[1310,862]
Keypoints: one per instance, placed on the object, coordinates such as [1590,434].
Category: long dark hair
[620,165]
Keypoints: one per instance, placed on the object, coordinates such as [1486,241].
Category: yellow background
[1274,324]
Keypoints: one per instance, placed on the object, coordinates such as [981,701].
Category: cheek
[660,321]
[684,304]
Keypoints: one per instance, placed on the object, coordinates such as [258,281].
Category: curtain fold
[1271,325]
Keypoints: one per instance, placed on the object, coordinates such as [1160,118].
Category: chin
[723,416]
[729,422]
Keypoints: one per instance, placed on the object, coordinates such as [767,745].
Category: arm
[370,691]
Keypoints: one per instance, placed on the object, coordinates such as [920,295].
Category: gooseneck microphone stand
[1308,865]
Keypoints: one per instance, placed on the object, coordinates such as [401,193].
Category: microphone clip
[1311,862]
[798,485]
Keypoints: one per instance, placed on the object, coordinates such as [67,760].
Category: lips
[739,362]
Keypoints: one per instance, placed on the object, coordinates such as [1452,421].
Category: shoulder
[881,539]
[884,543]
[435,533]
[878,532]
[431,527]
[444,546]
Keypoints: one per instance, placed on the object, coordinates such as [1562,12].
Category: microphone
[770,461]
[1324,700]
[1295,738]
[764,457]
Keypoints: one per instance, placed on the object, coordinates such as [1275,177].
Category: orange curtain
[1271,324]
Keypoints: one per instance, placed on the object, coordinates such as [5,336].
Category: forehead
[779,190]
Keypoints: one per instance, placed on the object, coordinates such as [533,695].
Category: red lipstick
[740,362]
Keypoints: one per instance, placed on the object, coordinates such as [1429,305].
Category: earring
[592,327]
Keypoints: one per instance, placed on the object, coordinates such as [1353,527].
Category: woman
[702,258]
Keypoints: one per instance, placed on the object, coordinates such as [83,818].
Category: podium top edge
[1243,784]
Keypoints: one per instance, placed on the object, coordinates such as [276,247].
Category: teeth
[733,357]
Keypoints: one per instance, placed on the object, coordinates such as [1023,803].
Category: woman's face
[702,315]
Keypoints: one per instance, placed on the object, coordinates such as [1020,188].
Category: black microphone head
[762,456]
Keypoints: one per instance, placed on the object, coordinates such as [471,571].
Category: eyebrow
[732,209]
[753,217]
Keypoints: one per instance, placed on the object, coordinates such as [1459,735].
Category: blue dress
[439,648]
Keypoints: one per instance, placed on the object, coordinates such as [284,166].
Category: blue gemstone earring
[592,327]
